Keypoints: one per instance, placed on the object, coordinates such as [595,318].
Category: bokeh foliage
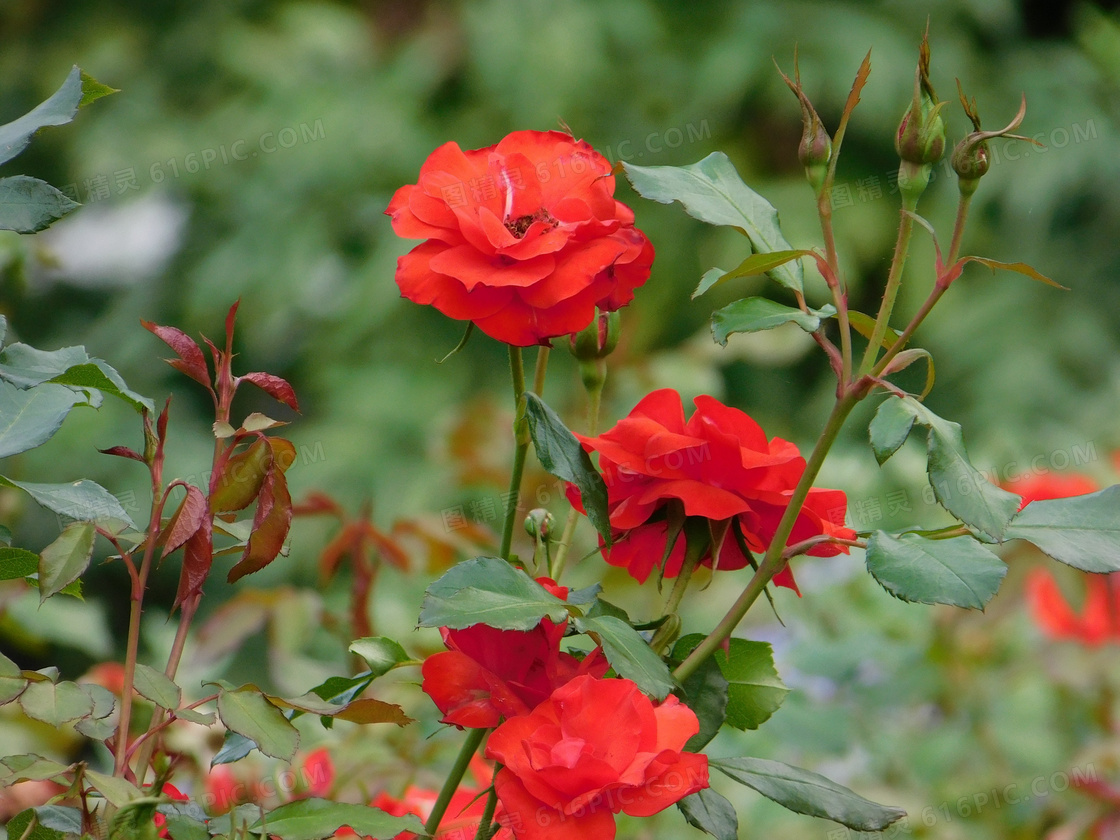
[334,105]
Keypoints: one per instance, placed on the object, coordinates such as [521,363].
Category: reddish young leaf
[161,422]
[317,503]
[123,452]
[231,316]
[274,386]
[186,520]
[270,526]
[370,710]
[283,452]
[190,361]
[241,478]
[197,558]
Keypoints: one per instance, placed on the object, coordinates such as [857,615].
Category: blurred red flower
[594,748]
[524,239]
[1035,488]
[1099,619]
[719,466]
[489,674]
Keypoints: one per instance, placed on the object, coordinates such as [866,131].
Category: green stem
[894,282]
[839,298]
[594,387]
[773,561]
[958,228]
[521,448]
[458,769]
[485,825]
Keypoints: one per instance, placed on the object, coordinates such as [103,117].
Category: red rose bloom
[489,674]
[1099,620]
[524,238]
[594,748]
[719,466]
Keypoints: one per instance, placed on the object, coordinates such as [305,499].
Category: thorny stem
[521,449]
[894,281]
[486,823]
[774,561]
[451,784]
[139,584]
[839,296]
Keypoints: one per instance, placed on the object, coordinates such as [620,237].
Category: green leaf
[195,716]
[25,366]
[12,683]
[83,500]
[958,571]
[705,692]
[27,825]
[157,687]
[248,713]
[381,653]
[710,812]
[55,703]
[629,654]
[313,818]
[1080,531]
[64,560]
[490,591]
[30,418]
[92,90]
[30,768]
[117,791]
[755,314]
[755,691]
[712,191]
[889,428]
[234,748]
[100,376]
[865,326]
[959,487]
[561,454]
[16,563]
[57,110]
[28,205]
[182,827]
[752,266]
[805,792]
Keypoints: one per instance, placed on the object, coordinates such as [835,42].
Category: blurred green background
[252,151]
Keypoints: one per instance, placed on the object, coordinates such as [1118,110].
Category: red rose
[490,674]
[524,238]
[719,466]
[1099,620]
[594,748]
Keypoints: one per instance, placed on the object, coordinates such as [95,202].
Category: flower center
[521,224]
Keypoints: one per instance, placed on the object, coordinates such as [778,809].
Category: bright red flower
[1034,488]
[490,674]
[1099,619]
[719,466]
[594,748]
[524,238]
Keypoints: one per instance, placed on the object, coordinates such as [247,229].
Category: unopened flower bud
[921,133]
[539,523]
[598,339]
[970,159]
[815,149]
